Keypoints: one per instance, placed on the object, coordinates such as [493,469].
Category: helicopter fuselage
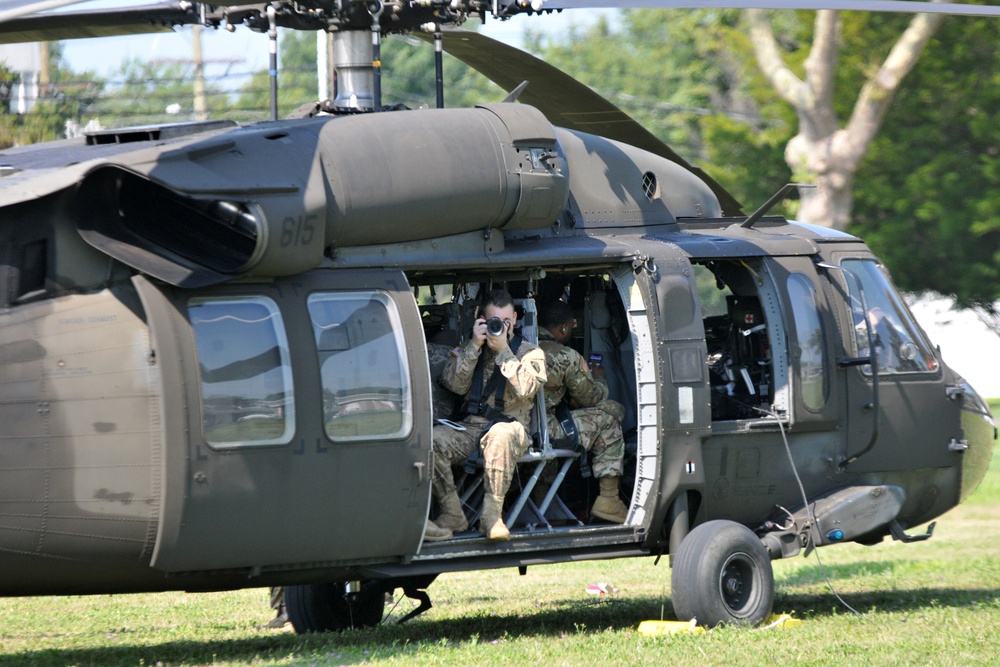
[214,377]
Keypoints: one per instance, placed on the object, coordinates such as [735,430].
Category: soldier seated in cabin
[578,409]
[498,374]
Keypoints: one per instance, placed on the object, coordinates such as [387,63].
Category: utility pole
[44,65]
[200,107]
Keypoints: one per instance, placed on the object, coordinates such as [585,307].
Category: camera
[495,326]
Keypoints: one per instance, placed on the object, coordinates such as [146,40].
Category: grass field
[935,602]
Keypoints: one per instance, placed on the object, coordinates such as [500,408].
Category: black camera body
[495,326]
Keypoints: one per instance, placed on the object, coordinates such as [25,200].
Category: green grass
[934,602]
[994,406]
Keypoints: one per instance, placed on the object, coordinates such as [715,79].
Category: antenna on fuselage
[769,204]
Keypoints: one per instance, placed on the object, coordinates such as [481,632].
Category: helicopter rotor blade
[12,9]
[896,6]
[565,101]
[161,17]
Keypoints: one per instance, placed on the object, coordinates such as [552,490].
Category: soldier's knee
[613,408]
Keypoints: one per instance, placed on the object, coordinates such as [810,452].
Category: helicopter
[215,340]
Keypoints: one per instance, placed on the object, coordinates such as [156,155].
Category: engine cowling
[273,199]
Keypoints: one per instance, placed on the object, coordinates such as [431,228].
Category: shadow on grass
[825,604]
[566,618]
[811,574]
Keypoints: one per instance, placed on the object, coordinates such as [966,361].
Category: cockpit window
[366,386]
[899,343]
[246,374]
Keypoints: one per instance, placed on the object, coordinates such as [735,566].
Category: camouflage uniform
[598,419]
[505,442]
[443,401]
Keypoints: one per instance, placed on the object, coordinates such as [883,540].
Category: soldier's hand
[594,370]
[479,332]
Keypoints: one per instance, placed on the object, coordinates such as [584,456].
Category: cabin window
[899,344]
[810,351]
[366,386]
[246,375]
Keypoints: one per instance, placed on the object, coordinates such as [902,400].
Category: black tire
[327,608]
[722,574]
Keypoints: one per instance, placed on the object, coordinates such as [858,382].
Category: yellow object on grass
[669,627]
[674,627]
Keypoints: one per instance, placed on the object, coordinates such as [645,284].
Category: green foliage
[407,77]
[66,97]
[925,196]
[689,77]
[408,67]
[927,199]
[147,90]
[296,77]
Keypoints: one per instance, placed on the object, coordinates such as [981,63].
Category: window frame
[287,375]
[908,322]
[402,356]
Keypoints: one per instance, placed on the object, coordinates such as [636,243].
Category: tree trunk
[822,153]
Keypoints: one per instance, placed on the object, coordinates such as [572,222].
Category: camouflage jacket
[567,372]
[525,375]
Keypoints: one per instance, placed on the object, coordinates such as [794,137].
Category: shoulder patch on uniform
[456,352]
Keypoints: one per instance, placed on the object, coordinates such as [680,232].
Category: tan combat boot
[452,517]
[491,524]
[434,533]
[608,505]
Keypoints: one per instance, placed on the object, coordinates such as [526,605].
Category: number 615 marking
[298,230]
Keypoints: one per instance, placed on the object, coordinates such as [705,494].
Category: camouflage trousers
[600,430]
[502,446]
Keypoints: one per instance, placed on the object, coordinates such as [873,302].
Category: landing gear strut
[346,605]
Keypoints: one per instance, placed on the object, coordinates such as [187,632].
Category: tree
[407,77]
[923,192]
[926,198]
[688,77]
[147,92]
[64,98]
[822,152]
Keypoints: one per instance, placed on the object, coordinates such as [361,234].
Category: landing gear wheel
[722,574]
[329,608]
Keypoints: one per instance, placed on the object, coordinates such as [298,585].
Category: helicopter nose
[980,435]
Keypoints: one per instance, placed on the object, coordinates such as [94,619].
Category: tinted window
[246,376]
[899,343]
[366,387]
[809,337]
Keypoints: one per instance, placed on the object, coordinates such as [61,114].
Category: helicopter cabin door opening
[747,365]
[302,419]
[611,327]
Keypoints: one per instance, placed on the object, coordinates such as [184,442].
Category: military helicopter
[215,338]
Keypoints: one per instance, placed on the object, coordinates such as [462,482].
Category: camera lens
[494,326]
